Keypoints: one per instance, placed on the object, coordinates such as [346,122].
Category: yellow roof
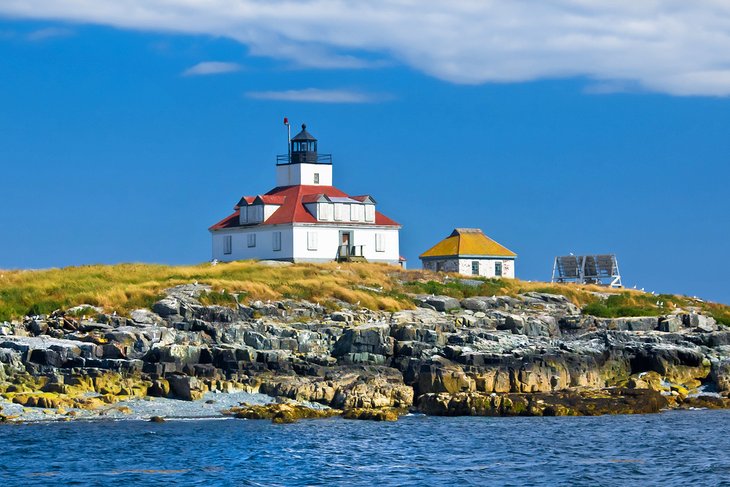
[467,241]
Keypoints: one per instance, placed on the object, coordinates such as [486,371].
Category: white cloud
[672,46]
[316,95]
[212,67]
[49,33]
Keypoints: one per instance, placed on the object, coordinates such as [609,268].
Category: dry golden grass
[125,287]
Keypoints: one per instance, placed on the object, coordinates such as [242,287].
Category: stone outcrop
[494,355]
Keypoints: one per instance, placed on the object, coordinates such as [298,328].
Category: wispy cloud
[49,33]
[316,95]
[669,46]
[212,67]
[611,87]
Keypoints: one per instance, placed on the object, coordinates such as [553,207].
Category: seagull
[634,286]
[642,289]
[571,253]
[114,314]
[195,283]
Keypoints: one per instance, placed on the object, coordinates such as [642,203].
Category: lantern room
[303,147]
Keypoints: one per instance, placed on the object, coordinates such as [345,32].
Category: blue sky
[117,145]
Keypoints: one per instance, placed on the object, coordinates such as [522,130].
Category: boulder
[216,314]
[186,388]
[144,317]
[559,403]
[700,323]
[439,303]
[670,324]
[168,306]
[443,376]
[721,374]
[373,414]
[374,339]
[639,323]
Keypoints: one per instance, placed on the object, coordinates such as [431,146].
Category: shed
[470,252]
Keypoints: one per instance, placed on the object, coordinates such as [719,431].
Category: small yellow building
[468,251]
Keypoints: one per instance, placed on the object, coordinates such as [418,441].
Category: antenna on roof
[288,138]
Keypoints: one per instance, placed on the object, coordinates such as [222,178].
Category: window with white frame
[325,211]
[244,214]
[379,242]
[369,213]
[339,212]
[311,240]
[251,239]
[258,213]
[356,213]
[276,242]
[227,244]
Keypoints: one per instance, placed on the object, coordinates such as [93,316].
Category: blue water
[675,448]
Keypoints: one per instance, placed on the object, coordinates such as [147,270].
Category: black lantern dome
[303,147]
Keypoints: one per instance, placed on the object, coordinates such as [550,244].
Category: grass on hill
[125,287]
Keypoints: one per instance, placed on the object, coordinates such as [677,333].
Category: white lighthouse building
[305,218]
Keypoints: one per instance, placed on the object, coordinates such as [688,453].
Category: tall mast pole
[288,139]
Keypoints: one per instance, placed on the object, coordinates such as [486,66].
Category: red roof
[269,199]
[292,208]
[312,198]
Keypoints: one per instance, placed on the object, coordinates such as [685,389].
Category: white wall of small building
[295,174]
[296,243]
[464,266]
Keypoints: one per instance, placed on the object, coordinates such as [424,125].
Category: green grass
[220,298]
[625,305]
[457,289]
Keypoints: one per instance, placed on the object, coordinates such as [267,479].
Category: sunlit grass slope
[124,287]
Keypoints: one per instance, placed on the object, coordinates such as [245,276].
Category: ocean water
[673,448]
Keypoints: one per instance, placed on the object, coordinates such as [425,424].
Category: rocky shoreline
[535,354]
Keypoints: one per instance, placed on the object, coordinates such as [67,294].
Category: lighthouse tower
[303,165]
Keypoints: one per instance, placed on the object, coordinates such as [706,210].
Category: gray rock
[185,387]
[144,317]
[440,303]
[167,307]
[670,324]
[639,323]
[216,314]
[700,323]
[475,304]
[373,339]
[342,316]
